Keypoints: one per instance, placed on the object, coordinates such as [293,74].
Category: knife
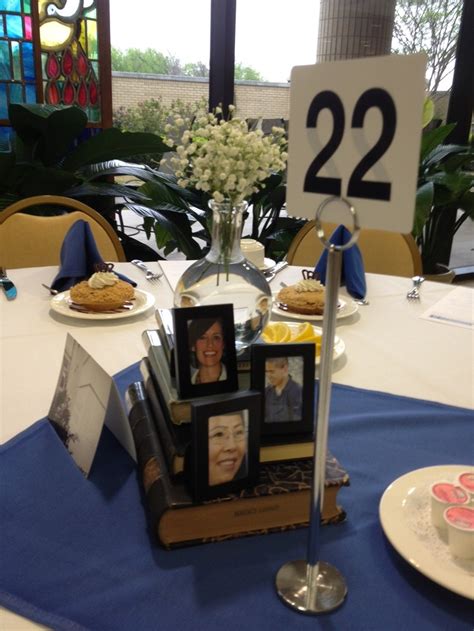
[7,286]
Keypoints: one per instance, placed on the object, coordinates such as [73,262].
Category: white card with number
[355,131]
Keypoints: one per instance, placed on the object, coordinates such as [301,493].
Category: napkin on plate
[352,271]
[79,255]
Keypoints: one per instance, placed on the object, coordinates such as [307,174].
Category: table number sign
[355,131]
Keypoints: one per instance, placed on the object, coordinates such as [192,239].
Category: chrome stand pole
[313,586]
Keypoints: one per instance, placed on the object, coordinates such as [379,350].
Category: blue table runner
[77,554]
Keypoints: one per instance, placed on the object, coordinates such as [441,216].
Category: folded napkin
[352,272]
[79,255]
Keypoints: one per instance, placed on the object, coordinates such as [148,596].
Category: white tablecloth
[388,347]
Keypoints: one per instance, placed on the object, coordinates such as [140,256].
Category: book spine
[179,410]
[168,439]
[153,475]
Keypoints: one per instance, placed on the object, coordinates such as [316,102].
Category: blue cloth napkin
[79,255]
[352,272]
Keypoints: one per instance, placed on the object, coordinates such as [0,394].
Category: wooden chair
[34,241]
[383,252]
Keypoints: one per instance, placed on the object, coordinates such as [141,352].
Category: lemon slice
[276,332]
[268,334]
[282,332]
[303,332]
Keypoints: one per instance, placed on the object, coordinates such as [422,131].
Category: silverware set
[149,275]
[414,293]
[271,272]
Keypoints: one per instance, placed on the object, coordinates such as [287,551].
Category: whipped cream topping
[309,284]
[99,280]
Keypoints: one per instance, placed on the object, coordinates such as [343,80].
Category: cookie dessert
[104,291]
[306,297]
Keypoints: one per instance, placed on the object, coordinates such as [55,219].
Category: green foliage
[47,159]
[246,73]
[150,61]
[431,26]
[147,61]
[445,180]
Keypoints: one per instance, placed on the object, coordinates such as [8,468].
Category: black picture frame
[288,409]
[191,324]
[222,461]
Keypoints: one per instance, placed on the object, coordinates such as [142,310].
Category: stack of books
[279,501]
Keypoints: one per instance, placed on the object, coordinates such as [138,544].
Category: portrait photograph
[205,358]
[225,446]
[284,374]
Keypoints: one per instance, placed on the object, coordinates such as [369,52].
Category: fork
[414,293]
[149,275]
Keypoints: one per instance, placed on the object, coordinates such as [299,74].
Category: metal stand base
[292,587]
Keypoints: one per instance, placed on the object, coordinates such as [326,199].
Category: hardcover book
[179,409]
[279,501]
[175,439]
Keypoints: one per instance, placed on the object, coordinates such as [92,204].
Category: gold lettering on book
[254,511]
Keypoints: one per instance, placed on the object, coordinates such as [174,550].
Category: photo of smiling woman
[206,341]
[228,446]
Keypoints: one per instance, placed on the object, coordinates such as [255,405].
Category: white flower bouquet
[223,157]
[227,161]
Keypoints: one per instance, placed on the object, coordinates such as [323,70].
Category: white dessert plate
[339,346]
[143,301]
[344,310]
[267,264]
[405,514]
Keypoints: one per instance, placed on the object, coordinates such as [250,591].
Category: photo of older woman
[228,437]
[206,341]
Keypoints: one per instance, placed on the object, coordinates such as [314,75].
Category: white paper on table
[85,399]
[456,308]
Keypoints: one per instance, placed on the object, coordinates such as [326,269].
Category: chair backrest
[33,241]
[383,252]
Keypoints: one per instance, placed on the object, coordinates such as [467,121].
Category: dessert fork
[414,293]
[149,275]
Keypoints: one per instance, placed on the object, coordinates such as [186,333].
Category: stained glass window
[17,64]
[70,55]
[49,52]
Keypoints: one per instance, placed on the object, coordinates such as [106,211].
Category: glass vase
[225,276]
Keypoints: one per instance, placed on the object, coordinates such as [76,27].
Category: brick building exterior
[253,99]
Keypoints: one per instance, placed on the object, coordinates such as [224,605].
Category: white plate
[267,264]
[339,346]
[143,301]
[345,309]
[406,520]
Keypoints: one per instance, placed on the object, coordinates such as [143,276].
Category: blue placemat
[77,554]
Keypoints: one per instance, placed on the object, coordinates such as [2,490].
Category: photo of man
[283,393]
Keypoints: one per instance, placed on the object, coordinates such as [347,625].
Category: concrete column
[354,28]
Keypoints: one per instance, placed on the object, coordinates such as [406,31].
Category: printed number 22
[357,187]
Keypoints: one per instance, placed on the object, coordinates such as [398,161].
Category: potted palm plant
[445,187]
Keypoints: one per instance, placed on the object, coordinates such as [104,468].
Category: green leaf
[32,179]
[434,137]
[49,131]
[104,188]
[113,144]
[423,205]
[177,224]
[457,182]
[428,111]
